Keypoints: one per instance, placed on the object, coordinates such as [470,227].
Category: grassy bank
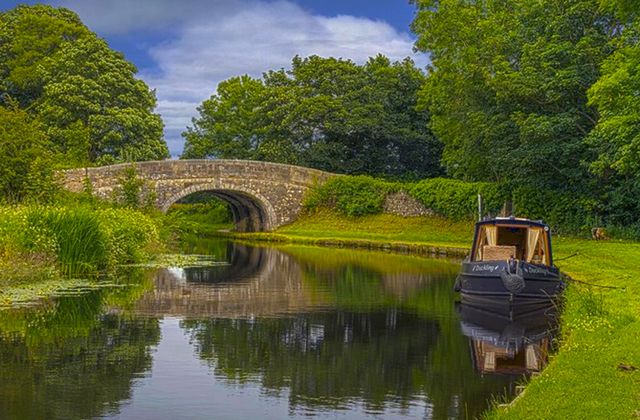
[591,376]
[48,248]
[430,236]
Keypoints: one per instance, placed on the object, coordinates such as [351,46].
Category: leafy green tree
[86,94]
[25,160]
[326,113]
[616,137]
[507,89]
[226,128]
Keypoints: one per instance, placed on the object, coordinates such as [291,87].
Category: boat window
[504,242]
[488,235]
[536,249]
[513,236]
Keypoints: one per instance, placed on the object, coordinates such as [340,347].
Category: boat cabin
[503,238]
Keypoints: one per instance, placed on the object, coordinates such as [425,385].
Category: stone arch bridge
[262,195]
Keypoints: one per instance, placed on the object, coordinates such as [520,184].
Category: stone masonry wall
[403,204]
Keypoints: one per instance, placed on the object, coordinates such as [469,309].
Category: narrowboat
[511,262]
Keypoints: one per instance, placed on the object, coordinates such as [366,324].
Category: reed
[79,240]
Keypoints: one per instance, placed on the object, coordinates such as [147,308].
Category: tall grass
[79,240]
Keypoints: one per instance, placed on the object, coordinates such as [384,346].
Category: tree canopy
[85,94]
[538,94]
[508,86]
[325,113]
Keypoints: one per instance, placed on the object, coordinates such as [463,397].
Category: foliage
[25,162]
[563,212]
[507,90]
[459,199]
[198,217]
[350,195]
[80,243]
[130,187]
[129,235]
[133,191]
[363,195]
[85,94]
[77,239]
[326,113]
[616,137]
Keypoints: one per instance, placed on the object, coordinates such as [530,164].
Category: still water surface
[293,332]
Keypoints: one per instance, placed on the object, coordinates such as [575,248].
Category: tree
[25,160]
[507,87]
[228,120]
[326,113]
[616,137]
[85,94]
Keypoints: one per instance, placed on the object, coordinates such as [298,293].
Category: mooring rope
[594,285]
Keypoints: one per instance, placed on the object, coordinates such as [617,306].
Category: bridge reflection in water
[273,333]
[256,282]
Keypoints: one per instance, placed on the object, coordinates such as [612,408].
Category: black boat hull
[483,283]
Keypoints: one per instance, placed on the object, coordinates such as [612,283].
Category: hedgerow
[457,199]
[351,195]
[362,195]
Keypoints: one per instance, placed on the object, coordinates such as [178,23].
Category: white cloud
[253,40]
[116,17]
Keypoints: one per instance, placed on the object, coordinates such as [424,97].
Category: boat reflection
[507,342]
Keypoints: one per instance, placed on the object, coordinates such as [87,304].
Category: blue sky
[184,48]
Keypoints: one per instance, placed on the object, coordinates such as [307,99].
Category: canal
[260,332]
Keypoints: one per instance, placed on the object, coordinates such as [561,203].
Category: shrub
[351,195]
[133,191]
[129,233]
[458,199]
[564,211]
[25,157]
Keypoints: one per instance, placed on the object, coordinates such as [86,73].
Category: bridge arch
[252,212]
[262,195]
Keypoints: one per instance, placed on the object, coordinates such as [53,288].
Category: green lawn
[600,326]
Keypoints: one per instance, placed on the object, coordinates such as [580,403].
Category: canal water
[268,333]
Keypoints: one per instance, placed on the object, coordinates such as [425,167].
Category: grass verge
[592,375]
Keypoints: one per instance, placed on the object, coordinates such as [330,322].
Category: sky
[184,48]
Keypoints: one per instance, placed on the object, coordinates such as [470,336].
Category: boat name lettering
[485,267]
[536,270]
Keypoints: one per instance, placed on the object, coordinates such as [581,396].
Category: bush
[565,212]
[129,234]
[133,191]
[458,199]
[26,163]
[351,195]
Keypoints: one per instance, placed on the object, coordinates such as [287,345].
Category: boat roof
[511,220]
